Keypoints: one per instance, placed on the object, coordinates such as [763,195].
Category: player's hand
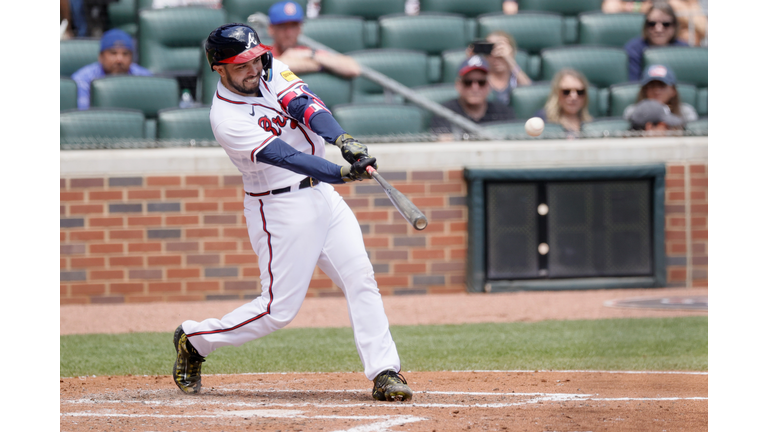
[351,149]
[358,170]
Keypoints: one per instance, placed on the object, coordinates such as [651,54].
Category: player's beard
[252,91]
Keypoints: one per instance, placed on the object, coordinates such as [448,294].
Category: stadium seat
[76,53]
[94,124]
[625,94]
[606,126]
[532,31]
[185,123]
[452,60]
[409,68]
[239,10]
[331,89]
[379,119]
[565,7]
[148,94]
[701,101]
[367,9]
[515,130]
[699,126]
[341,33]
[603,66]
[432,33]
[122,15]
[206,80]
[688,63]
[437,93]
[67,94]
[463,7]
[169,39]
[616,29]
[529,99]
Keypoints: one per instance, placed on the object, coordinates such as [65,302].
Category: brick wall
[183,238]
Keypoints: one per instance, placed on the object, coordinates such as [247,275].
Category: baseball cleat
[186,369]
[391,386]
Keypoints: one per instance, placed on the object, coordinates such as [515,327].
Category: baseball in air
[534,126]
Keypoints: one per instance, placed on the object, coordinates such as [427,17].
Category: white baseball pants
[291,233]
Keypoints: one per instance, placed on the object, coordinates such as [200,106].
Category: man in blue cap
[115,58]
[285,20]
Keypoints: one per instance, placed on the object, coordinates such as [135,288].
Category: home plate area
[443,401]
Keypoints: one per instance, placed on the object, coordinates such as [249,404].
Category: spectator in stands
[687,10]
[505,74]
[509,7]
[568,101]
[659,84]
[654,117]
[115,58]
[285,20]
[472,103]
[626,6]
[660,28]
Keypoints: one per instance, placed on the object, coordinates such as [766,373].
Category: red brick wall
[183,238]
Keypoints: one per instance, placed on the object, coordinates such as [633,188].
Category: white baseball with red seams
[293,231]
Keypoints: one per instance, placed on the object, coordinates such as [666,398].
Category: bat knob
[421,223]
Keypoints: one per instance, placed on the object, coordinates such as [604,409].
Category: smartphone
[482,47]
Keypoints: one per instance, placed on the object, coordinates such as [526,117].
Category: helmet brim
[248,55]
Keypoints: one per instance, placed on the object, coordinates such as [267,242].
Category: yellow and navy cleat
[186,369]
[391,386]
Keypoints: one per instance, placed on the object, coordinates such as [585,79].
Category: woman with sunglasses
[659,84]
[660,29]
[568,101]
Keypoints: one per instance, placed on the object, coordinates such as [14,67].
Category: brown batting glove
[357,171]
[351,149]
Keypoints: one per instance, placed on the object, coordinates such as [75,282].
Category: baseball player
[274,130]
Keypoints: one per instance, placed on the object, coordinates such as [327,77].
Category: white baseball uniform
[291,232]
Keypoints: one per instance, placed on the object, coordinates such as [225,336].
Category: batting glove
[357,171]
[351,149]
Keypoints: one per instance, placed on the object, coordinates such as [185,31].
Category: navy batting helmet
[237,43]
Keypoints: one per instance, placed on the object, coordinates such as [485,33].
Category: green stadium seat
[206,80]
[91,125]
[451,60]
[341,33]
[367,9]
[239,10]
[699,126]
[616,29]
[122,15]
[371,34]
[625,94]
[603,66]
[606,126]
[688,63]
[185,123]
[432,33]
[570,30]
[169,39]
[515,130]
[701,101]
[529,99]
[409,68]
[462,7]
[565,7]
[437,93]
[331,89]
[148,94]
[532,31]
[380,119]
[76,53]
[67,94]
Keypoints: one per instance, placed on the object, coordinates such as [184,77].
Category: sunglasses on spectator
[567,92]
[468,83]
[651,24]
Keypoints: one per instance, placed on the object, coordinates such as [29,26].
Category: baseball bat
[410,212]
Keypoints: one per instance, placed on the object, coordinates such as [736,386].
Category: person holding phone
[504,74]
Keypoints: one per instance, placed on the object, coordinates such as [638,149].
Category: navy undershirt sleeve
[321,123]
[280,154]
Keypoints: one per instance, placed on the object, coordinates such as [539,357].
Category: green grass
[617,344]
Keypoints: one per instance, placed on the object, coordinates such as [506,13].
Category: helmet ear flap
[266,62]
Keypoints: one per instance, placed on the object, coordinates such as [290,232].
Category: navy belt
[307,182]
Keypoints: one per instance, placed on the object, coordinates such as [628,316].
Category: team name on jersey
[275,124]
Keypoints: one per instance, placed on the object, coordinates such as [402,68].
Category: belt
[307,182]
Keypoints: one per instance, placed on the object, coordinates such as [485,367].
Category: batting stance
[274,130]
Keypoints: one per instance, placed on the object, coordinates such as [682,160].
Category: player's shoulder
[282,76]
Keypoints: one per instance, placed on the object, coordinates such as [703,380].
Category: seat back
[451,60]
[565,7]
[409,68]
[206,80]
[690,64]
[529,99]
[185,123]
[379,119]
[67,94]
[144,93]
[699,126]
[432,33]
[616,29]
[532,31]
[122,15]
[701,101]
[76,53]
[341,33]
[169,39]
[606,126]
[463,7]
[603,66]
[331,89]
[239,10]
[94,124]
[368,9]
[437,93]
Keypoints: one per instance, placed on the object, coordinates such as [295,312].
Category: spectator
[659,84]
[285,20]
[654,117]
[115,58]
[159,4]
[472,103]
[505,74]
[626,6]
[660,28]
[509,7]
[568,101]
[687,10]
